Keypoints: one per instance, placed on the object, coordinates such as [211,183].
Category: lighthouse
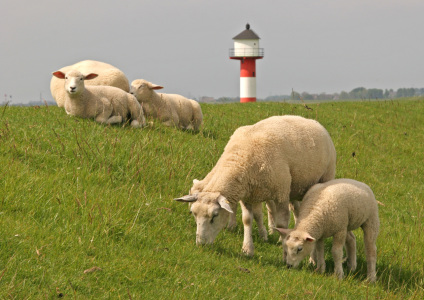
[246,50]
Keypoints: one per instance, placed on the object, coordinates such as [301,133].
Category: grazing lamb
[171,109]
[108,75]
[275,160]
[106,104]
[333,209]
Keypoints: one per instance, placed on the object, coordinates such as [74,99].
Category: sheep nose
[72,88]
[289,266]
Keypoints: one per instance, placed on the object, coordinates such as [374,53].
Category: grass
[86,210]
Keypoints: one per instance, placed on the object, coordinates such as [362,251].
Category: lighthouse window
[253,73]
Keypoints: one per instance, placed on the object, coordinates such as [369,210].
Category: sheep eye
[213,217]
[299,249]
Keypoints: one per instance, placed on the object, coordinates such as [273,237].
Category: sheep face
[74,81]
[296,245]
[211,212]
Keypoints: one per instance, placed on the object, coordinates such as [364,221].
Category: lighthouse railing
[246,52]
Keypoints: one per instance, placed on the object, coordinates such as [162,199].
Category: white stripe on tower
[247,89]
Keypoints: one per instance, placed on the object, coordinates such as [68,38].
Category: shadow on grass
[392,278]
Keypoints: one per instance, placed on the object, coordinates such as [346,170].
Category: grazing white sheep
[106,104]
[276,159]
[107,75]
[333,209]
[171,109]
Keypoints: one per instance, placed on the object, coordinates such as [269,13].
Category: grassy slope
[76,195]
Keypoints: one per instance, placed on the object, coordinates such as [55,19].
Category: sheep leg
[295,206]
[258,216]
[270,205]
[136,112]
[247,217]
[313,257]
[103,117]
[339,240]
[114,120]
[281,216]
[351,251]
[232,222]
[169,123]
[318,252]
[370,238]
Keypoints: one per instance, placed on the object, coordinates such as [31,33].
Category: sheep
[106,104]
[334,209]
[275,160]
[171,109]
[108,75]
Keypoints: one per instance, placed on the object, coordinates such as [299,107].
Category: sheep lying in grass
[107,75]
[105,104]
[333,209]
[171,109]
[276,159]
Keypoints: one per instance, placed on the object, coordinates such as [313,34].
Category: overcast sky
[310,45]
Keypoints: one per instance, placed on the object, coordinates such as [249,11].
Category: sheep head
[74,81]
[211,212]
[296,245]
[142,89]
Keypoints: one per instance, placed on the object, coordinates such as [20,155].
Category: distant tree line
[357,93]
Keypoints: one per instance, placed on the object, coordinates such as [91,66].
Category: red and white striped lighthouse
[246,49]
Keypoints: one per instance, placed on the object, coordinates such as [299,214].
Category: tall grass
[86,210]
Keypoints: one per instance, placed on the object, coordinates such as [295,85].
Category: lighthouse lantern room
[246,49]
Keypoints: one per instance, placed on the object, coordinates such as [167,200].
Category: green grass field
[86,210]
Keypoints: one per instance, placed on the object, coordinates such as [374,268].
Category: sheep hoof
[248,251]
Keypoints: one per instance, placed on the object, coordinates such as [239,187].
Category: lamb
[108,75]
[334,209]
[171,109]
[275,160]
[105,104]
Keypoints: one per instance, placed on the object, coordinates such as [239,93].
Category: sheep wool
[275,160]
[334,209]
[105,104]
[170,109]
[107,75]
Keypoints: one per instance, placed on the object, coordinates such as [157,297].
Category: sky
[310,46]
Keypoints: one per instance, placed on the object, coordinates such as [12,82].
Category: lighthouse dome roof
[247,34]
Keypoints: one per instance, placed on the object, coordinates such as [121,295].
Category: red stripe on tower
[246,49]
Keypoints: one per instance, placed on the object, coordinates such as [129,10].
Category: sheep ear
[195,181]
[59,74]
[223,202]
[308,238]
[187,198]
[90,76]
[283,231]
[155,86]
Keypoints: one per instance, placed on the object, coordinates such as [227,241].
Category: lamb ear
[154,86]
[283,231]
[187,198]
[223,202]
[59,74]
[90,76]
[195,181]
[308,238]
